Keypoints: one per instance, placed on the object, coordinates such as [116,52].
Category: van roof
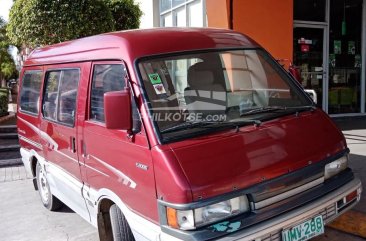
[133,44]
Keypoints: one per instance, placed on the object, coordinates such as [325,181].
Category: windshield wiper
[276,108]
[209,124]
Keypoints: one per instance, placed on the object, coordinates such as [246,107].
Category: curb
[11,162]
[7,117]
[14,147]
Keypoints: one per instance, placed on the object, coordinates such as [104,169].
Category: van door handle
[73,144]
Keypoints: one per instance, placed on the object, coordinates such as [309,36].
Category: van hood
[222,162]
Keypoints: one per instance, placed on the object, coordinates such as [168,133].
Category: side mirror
[118,110]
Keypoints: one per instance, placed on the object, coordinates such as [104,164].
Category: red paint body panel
[109,156]
[172,185]
[114,148]
[131,45]
[29,133]
[64,156]
[217,163]
[183,171]
[24,120]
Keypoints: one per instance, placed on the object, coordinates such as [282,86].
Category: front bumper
[270,230]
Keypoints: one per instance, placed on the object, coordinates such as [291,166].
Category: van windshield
[190,94]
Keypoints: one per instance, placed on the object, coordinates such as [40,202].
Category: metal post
[363,58]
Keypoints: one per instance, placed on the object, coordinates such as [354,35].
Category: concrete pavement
[23,217]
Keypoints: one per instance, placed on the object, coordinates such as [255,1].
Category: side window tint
[50,98]
[68,93]
[30,90]
[59,101]
[106,78]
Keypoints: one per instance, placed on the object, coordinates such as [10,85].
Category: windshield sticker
[159,89]
[154,78]
[226,226]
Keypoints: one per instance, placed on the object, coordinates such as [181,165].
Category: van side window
[106,78]
[30,90]
[50,96]
[59,102]
[68,93]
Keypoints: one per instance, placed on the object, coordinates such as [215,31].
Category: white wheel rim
[43,186]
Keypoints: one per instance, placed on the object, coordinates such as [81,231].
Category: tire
[120,229]
[48,200]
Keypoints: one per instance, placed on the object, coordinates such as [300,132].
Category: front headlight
[191,219]
[335,167]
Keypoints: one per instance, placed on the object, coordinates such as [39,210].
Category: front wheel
[48,200]
[120,228]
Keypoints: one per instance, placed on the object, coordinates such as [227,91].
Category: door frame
[324,27]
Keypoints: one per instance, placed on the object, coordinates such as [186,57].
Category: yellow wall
[269,22]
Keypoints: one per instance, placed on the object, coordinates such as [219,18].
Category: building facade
[325,39]
[173,13]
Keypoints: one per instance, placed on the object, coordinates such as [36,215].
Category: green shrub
[43,22]
[3,101]
[126,14]
[4,91]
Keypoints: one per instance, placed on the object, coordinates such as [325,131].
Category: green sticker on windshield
[154,79]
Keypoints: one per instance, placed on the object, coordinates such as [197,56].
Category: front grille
[328,212]
[290,193]
[272,237]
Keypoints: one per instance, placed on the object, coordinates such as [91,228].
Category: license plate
[304,231]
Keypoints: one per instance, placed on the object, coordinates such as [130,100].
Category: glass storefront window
[182,13]
[178,2]
[308,56]
[345,56]
[167,20]
[195,14]
[181,18]
[310,10]
[165,5]
[343,53]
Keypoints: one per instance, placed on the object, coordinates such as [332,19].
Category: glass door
[309,57]
[345,51]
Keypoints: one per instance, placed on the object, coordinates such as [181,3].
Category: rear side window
[106,78]
[59,101]
[30,90]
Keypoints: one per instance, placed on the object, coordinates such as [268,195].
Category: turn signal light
[172,217]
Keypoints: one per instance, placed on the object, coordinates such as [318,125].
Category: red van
[180,134]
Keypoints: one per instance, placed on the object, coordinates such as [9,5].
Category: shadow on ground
[65,209]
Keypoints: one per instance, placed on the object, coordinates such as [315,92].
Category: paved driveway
[23,217]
